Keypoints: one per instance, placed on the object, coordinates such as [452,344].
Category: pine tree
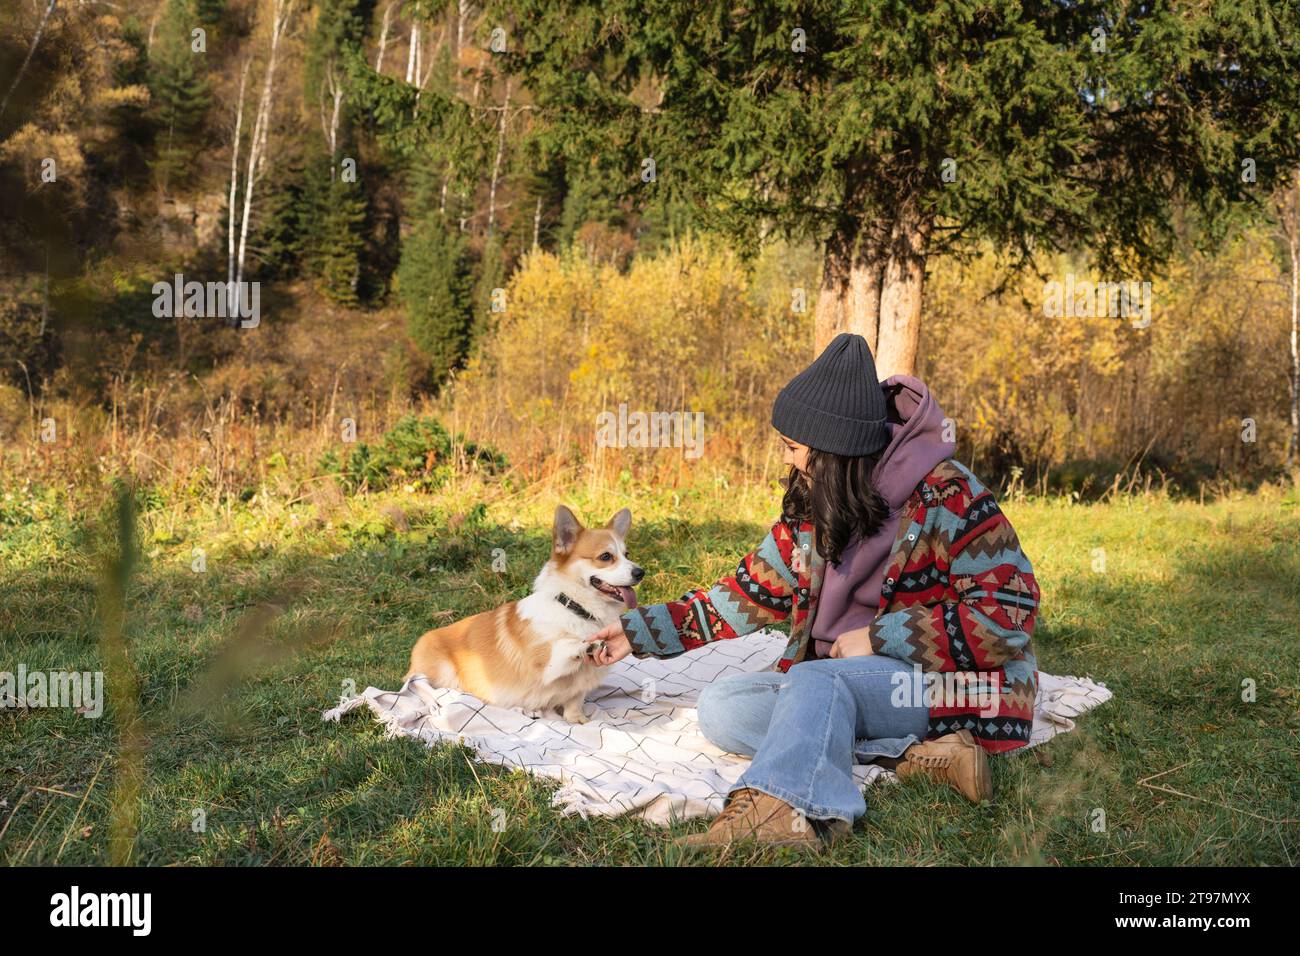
[337,234]
[281,231]
[490,276]
[435,282]
[589,198]
[893,132]
[337,205]
[179,92]
[209,12]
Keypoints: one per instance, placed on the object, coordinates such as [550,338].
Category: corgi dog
[532,653]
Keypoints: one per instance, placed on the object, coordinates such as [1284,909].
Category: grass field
[1172,604]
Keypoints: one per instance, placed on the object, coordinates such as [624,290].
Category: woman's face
[795,454]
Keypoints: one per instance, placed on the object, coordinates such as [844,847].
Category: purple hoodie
[850,591]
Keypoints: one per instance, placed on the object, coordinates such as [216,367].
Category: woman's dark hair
[841,500]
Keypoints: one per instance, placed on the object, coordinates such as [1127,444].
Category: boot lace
[936,761]
[739,804]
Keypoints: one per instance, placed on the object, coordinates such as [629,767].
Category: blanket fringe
[392,725]
[568,799]
[346,704]
[391,722]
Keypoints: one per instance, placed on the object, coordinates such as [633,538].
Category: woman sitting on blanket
[910,603]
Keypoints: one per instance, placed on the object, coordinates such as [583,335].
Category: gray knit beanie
[836,404]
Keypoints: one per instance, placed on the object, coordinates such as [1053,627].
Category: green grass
[1193,600]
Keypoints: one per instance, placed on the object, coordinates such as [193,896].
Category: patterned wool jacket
[958,599]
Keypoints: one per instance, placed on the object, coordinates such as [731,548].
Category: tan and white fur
[532,653]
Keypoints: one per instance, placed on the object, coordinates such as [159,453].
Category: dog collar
[575,607]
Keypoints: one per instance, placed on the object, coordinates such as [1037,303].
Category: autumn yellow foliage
[1064,400]
[688,330]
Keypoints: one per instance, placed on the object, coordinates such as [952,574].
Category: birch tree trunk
[31,51]
[330,125]
[496,165]
[234,189]
[383,36]
[281,12]
[422,79]
[419,52]
[412,46]
[433,59]
[462,14]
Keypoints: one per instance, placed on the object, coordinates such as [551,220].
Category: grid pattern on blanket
[641,752]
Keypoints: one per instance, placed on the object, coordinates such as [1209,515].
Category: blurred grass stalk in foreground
[239,657]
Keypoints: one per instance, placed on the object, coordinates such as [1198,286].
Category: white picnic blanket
[642,751]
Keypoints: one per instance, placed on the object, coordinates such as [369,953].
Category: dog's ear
[620,523]
[565,533]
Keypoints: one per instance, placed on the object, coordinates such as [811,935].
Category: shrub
[417,451]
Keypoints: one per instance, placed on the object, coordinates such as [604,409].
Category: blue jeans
[806,728]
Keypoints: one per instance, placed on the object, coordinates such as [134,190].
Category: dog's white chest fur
[567,672]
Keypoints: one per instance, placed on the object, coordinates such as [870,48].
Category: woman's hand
[616,646]
[855,643]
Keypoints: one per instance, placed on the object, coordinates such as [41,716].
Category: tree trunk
[900,299]
[36,40]
[383,37]
[329,125]
[496,165]
[849,299]
[234,189]
[419,52]
[281,12]
[872,283]
[422,80]
[412,46]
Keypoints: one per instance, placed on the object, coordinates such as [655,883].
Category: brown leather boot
[956,759]
[754,815]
